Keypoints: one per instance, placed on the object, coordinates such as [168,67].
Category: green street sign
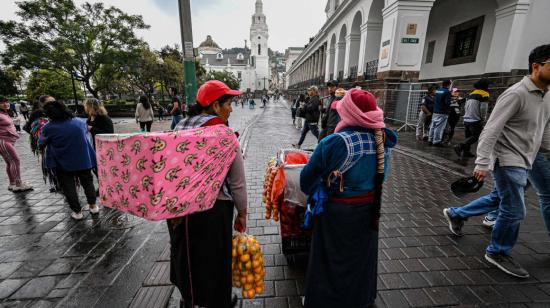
[410,40]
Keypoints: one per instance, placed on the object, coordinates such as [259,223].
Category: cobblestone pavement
[46,259]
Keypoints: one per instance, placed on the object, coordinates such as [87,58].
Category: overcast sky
[290,22]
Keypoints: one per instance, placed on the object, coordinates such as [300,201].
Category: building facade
[412,40]
[249,65]
[291,54]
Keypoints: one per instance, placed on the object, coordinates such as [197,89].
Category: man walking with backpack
[473,119]
[442,108]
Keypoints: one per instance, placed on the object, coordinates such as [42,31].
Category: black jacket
[333,118]
[312,112]
[100,125]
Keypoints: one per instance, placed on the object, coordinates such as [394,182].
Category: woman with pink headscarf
[348,169]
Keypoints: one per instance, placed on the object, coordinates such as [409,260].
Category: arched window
[219,56]
[259,49]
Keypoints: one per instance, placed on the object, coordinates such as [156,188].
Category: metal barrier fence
[401,102]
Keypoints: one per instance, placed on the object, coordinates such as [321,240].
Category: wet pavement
[48,260]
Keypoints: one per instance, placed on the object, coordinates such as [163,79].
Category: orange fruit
[248,265]
[247,286]
[245,294]
[238,284]
[258,278]
[244,258]
[251,293]
[234,253]
[242,279]
[259,290]
[250,278]
[256,264]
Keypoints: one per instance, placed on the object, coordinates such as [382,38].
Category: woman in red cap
[200,259]
[344,179]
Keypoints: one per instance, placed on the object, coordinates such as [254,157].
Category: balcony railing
[353,73]
[371,68]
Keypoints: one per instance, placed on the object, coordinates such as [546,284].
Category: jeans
[423,125]
[472,131]
[175,120]
[539,177]
[68,186]
[510,183]
[307,127]
[437,128]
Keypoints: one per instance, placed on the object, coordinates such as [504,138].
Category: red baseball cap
[212,90]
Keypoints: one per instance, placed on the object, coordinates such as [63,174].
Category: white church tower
[258,41]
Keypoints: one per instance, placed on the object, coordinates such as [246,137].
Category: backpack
[36,131]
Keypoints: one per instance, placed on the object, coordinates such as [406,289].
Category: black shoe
[469,155]
[455,223]
[458,150]
[507,264]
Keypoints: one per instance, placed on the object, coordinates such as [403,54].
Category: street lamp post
[74,93]
[188,53]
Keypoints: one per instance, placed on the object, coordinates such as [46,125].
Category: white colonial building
[251,65]
[291,54]
[411,40]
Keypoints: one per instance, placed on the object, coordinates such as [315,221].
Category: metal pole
[190,75]
[74,93]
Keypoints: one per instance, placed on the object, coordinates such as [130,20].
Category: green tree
[7,83]
[58,36]
[144,71]
[227,77]
[54,83]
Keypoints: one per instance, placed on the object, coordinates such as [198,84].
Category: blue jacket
[329,156]
[67,145]
[442,101]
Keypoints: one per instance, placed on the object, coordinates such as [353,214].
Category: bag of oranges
[248,265]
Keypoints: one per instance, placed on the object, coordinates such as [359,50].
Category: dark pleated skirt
[342,269]
[209,234]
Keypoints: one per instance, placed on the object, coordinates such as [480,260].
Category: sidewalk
[46,259]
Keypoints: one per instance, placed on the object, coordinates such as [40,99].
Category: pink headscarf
[359,108]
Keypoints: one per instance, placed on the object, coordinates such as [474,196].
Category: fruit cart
[285,201]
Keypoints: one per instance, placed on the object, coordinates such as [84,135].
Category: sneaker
[489,222]
[85,208]
[11,187]
[458,150]
[77,216]
[507,264]
[455,223]
[95,209]
[22,187]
